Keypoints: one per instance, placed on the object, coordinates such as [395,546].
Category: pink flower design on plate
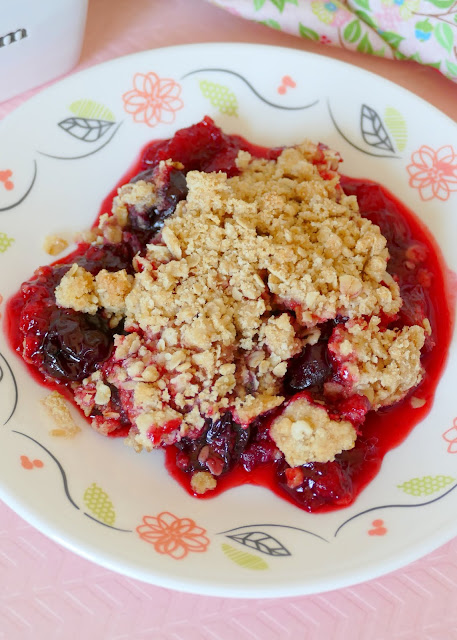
[153,100]
[434,173]
[451,437]
[173,536]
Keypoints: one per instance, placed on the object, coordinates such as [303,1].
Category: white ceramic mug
[39,40]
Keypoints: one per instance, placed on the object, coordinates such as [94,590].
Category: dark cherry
[310,368]
[260,448]
[218,449]
[64,344]
[151,219]
[118,407]
[74,344]
[112,257]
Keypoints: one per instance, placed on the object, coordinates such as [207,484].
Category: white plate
[91,494]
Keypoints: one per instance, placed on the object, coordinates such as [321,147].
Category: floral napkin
[420,30]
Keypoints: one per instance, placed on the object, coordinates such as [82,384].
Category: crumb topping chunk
[381,364]
[304,432]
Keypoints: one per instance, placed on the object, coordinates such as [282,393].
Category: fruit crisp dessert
[236,307]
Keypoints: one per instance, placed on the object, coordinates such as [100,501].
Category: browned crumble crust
[203,481]
[81,291]
[53,244]
[304,432]
[382,365]
[57,408]
[208,307]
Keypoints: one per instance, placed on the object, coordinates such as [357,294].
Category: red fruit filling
[62,346]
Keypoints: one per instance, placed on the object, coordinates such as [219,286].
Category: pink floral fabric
[420,30]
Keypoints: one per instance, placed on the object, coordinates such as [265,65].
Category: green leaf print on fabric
[434,65]
[352,31]
[271,23]
[364,4]
[279,4]
[442,4]
[365,45]
[444,35]
[368,20]
[305,32]
[392,38]
[451,67]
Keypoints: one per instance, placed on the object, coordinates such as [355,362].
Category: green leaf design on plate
[426,485]
[271,23]
[365,45]
[352,31]
[244,559]
[306,32]
[444,35]
[392,38]
[364,4]
[5,242]
[451,67]
[90,109]
[97,501]
[396,125]
[220,97]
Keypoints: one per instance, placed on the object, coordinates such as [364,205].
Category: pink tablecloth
[47,592]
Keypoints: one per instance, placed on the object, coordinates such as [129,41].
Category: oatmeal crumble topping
[53,245]
[57,408]
[231,289]
[203,481]
[304,432]
[382,365]
[81,291]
